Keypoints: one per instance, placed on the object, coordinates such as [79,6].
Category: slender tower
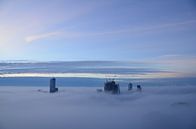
[52,85]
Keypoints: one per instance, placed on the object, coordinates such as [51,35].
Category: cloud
[177,59]
[86,69]
[32,38]
[95,75]
[59,34]
[74,34]
[184,64]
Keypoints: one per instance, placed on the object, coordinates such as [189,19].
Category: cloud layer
[93,69]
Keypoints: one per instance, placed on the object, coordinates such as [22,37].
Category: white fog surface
[166,107]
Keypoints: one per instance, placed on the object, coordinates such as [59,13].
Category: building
[112,86]
[53,85]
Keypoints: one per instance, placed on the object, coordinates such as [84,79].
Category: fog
[164,107]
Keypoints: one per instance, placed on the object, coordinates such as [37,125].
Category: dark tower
[53,85]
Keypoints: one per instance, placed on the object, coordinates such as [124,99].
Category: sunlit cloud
[95,75]
[41,36]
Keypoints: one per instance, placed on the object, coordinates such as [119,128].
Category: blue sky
[123,30]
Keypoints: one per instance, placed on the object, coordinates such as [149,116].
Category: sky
[154,31]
